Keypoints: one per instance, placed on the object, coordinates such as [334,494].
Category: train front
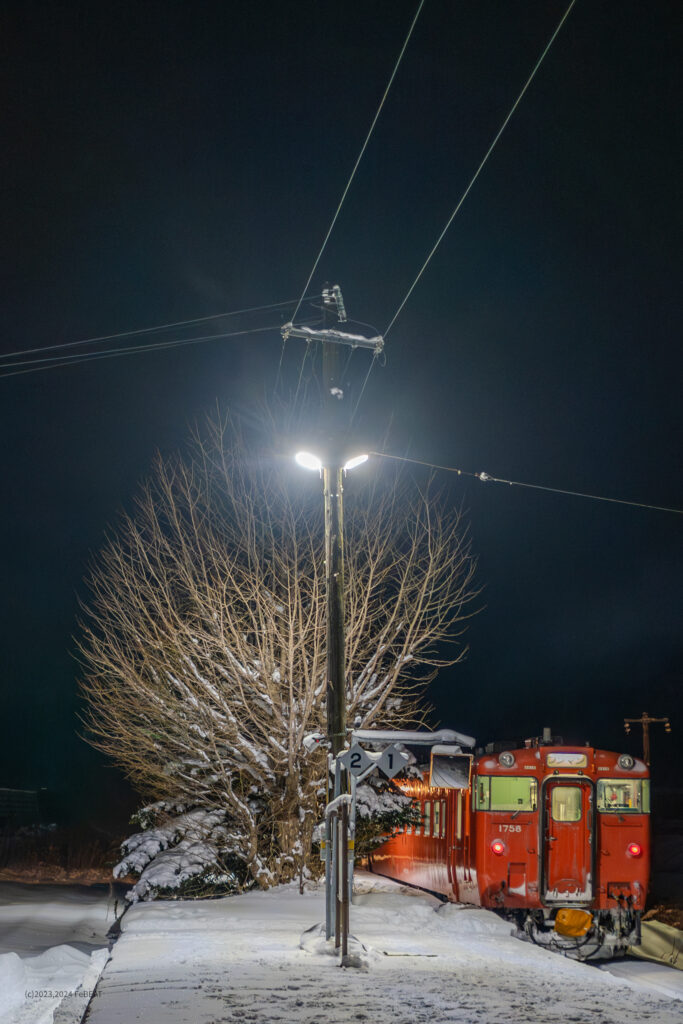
[562,844]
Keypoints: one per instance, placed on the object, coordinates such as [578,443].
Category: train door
[567,849]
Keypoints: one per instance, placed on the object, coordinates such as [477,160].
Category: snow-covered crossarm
[376,344]
[420,737]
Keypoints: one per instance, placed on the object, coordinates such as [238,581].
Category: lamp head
[309,461]
[357,460]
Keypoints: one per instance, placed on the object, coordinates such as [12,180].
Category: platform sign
[392,761]
[355,760]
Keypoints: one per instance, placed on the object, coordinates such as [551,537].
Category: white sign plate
[392,761]
[355,760]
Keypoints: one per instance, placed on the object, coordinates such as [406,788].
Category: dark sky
[164,161]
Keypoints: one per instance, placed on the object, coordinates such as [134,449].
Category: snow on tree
[203,639]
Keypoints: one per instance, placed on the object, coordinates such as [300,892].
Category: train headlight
[498,847]
[634,850]
[506,759]
[625,761]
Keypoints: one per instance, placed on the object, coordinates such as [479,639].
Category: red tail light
[498,847]
[634,849]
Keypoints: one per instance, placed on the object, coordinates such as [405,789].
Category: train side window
[437,818]
[417,828]
[565,803]
[427,818]
[619,796]
[482,793]
[443,818]
[458,815]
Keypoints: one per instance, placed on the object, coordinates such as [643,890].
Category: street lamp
[336,909]
[310,461]
[334,584]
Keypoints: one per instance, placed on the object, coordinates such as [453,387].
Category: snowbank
[51,954]
[62,979]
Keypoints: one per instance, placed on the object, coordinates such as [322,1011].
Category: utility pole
[646,720]
[333,489]
[333,465]
[335,431]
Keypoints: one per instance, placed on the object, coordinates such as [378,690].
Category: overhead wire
[147,330]
[360,156]
[60,361]
[360,394]
[481,166]
[488,478]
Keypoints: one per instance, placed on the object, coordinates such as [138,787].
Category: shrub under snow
[182,846]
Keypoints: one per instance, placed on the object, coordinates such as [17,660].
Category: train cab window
[427,818]
[624,796]
[565,803]
[506,793]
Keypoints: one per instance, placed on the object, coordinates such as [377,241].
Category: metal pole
[352,831]
[339,916]
[334,580]
[646,739]
[329,871]
[344,880]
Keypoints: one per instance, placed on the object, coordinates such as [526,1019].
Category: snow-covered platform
[240,959]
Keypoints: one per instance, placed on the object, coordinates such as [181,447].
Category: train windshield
[508,793]
[620,796]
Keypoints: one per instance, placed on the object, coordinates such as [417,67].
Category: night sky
[165,161]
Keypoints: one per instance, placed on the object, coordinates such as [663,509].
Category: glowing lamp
[357,460]
[498,847]
[309,461]
[634,849]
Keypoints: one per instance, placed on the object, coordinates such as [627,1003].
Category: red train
[556,838]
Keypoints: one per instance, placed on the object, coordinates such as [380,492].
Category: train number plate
[509,828]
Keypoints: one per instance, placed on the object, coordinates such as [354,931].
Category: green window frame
[506,793]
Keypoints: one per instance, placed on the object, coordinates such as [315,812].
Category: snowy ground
[51,950]
[240,959]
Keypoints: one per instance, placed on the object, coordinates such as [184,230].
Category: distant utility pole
[646,720]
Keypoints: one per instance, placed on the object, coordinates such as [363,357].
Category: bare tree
[204,634]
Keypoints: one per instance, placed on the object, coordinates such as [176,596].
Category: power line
[148,330]
[128,351]
[367,378]
[487,478]
[481,166]
[360,157]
